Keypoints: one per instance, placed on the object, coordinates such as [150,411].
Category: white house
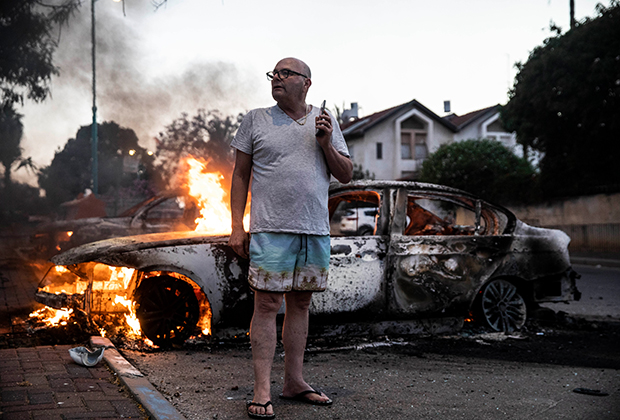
[394,142]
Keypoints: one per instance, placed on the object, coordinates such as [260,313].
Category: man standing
[290,161]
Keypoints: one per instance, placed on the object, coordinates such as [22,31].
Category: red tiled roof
[368,119]
[356,128]
[463,120]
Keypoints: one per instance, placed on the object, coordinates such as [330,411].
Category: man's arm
[239,240]
[340,166]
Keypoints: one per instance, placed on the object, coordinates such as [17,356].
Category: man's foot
[260,411]
[310,396]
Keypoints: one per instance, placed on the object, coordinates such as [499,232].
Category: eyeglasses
[283,74]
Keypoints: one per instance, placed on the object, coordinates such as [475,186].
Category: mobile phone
[321,111]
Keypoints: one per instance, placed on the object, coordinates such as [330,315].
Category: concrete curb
[153,402]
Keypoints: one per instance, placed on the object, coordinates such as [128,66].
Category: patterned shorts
[281,262]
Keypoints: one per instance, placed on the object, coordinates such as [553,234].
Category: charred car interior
[399,250]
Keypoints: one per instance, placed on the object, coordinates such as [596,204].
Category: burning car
[432,252]
[167,211]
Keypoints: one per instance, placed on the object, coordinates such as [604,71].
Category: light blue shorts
[282,262]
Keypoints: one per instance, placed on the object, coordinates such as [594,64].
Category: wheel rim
[503,307]
[167,309]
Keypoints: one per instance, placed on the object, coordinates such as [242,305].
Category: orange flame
[206,188]
[112,282]
[131,319]
[52,317]
[212,199]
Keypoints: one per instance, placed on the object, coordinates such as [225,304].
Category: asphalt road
[600,288]
[468,375]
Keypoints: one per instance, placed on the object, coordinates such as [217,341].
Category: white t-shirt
[290,181]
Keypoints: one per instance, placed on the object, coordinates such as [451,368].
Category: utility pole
[572,14]
[94,140]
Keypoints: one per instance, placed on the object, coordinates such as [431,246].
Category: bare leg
[294,335]
[263,336]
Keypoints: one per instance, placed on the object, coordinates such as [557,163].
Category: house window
[421,152]
[379,151]
[406,151]
[413,145]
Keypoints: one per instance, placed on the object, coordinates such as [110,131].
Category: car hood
[94,250]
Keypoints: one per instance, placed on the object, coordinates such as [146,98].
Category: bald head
[297,65]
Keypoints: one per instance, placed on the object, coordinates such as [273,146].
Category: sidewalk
[43,382]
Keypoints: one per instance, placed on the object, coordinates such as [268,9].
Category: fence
[575,216]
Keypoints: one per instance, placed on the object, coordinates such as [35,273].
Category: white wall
[388,133]
[481,129]
[585,210]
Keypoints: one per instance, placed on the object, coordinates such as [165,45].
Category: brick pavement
[44,383]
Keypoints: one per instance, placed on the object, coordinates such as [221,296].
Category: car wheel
[502,307]
[167,309]
[365,231]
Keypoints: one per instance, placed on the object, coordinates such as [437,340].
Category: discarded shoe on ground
[83,356]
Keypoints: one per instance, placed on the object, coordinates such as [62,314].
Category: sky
[152,64]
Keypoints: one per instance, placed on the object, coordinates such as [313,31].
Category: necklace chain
[305,118]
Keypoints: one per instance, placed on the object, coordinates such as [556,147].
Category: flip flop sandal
[303,397]
[256,415]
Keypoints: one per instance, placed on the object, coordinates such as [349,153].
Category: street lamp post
[94,140]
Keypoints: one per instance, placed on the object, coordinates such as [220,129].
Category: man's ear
[307,83]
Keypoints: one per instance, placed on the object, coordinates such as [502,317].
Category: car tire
[365,231]
[501,307]
[167,309]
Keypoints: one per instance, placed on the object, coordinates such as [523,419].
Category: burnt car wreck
[167,211]
[425,251]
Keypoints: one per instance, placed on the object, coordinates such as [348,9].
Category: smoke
[131,89]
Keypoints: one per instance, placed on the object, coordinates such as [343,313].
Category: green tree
[11,131]
[28,38]
[70,171]
[565,103]
[482,167]
[18,200]
[206,135]
[360,173]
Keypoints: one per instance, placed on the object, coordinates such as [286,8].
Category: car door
[443,247]
[357,262]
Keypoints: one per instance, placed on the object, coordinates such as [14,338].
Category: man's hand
[340,166]
[239,241]
[323,123]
